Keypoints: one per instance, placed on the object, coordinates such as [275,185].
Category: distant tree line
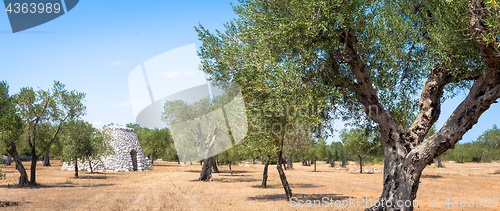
[485,149]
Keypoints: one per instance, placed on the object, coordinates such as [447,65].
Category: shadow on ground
[8,203]
[57,185]
[432,176]
[94,177]
[300,196]
[296,185]
[223,171]
[229,179]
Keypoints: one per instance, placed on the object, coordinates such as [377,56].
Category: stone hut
[127,156]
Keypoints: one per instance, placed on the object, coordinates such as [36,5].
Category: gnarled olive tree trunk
[405,151]
[23,179]
[206,170]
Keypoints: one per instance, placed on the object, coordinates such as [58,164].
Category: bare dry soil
[170,186]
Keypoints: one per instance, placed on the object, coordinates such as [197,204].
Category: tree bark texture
[76,168]
[206,170]
[405,152]
[214,166]
[284,182]
[46,159]
[23,178]
[34,159]
[264,175]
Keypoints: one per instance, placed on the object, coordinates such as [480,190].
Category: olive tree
[11,128]
[54,106]
[362,143]
[393,61]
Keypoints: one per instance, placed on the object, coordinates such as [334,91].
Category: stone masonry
[128,155]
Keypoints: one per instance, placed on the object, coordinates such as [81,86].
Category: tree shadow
[242,178]
[292,185]
[432,176]
[304,185]
[234,175]
[299,196]
[223,171]
[57,185]
[94,177]
[194,171]
[267,186]
[235,179]
[236,171]
[66,185]
[9,203]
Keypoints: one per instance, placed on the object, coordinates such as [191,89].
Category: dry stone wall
[128,155]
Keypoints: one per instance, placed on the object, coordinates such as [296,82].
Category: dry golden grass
[170,186]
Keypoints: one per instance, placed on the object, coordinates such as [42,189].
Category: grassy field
[170,186]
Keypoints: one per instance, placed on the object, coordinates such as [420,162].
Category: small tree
[331,154]
[99,146]
[317,151]
[36,108]
[84,143]
[362,143]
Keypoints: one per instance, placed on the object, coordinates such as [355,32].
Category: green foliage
[274,47]
[361,142]
[317,150]
[83,142]
[491,137]
[488,143]
[492,21]
[44,113]
[233,154]
[156,142]
[11,126]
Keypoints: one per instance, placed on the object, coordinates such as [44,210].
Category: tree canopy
[388,64]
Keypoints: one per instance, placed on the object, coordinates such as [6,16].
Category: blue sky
[95,46]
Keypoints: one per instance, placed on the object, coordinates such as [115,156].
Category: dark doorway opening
[133,154]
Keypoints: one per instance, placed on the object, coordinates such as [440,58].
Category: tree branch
[365,92]
[484,92]
[430,105]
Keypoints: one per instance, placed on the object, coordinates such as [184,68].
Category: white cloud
[119,62]
[123,104]
[171,74]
